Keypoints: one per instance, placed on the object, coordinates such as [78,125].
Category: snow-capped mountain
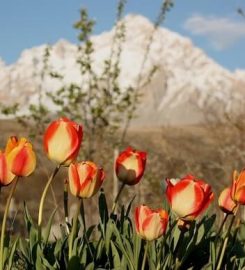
[187,85]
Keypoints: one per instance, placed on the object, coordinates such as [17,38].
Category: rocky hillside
[187,85]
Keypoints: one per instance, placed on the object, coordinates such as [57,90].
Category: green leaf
[11,254]
[90,266]
[115,257]
[47,229]
[103,209]
[74,263]
[137,248]
[6,245]
[126,252]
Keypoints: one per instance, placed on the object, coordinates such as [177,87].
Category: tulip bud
[225,201]
[85,179]
[130,166]
[20,156]
[238,187]
[150,224]
[189,197]
[62,141]
[6,176]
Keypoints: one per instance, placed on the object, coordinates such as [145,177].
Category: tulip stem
[4,223]
[222,224]
[83,216]
[82,211]
[44,194]
[223,247]
[145,255]
[74,228]
[221,227]
[117,197]
[65,197]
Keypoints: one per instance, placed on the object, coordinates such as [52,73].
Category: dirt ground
[207,152]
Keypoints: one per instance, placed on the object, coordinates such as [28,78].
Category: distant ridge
[187,85]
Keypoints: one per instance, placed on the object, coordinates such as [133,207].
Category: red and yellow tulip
[238,187]
[150,224]
[85,179]
[130,166]
[20,156]
[188,197]
[62,141]
[225,201]
[6,176]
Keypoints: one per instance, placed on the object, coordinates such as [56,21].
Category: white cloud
[221,32]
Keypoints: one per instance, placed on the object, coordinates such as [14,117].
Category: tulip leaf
[115,256]
[137,248]
[11,253]
[103,209]
[74,263]
[90,266]
[6,244]
[127,251]
[47,229]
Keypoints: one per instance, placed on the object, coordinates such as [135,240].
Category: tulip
[238,187]
[85,179]
[20,156]
[62,141]
[6,176]
[150,224]
[225,201]
[130,166]
[188,197]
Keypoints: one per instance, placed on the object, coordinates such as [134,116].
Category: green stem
[222,224]
[74,228]
[145,255]
[82,211]
[65,201]
[117,197]
[83,216]
[160,254]
[223,248]
[4,223]
[44,194]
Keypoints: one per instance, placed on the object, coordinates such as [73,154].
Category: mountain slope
[187,85]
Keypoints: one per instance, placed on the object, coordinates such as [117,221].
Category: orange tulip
[85,179]
[6,176]
[20,156]
[150,224]
[238,187]
[188,197]
[130,166]
[62,141]
[225,201]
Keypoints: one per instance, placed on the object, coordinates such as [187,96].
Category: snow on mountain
[187,84]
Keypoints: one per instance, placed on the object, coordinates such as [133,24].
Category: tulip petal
[225,201]
[85,179]
[73,179]
[241,179]
[240,195]
[150,224]
[11,144]
[130,166]
[6,177]
[187,198]
[62,141]
[22,160]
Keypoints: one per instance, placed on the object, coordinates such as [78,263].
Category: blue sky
[213,25]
